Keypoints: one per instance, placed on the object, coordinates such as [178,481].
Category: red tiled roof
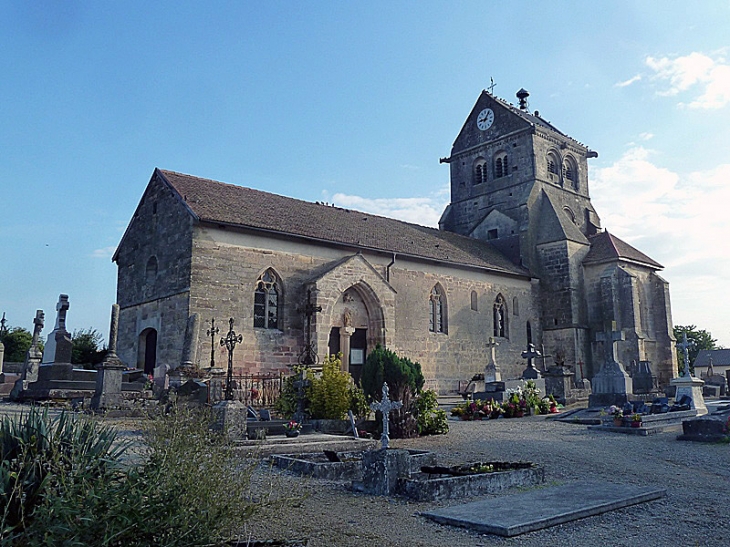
[227,204]
[606,247]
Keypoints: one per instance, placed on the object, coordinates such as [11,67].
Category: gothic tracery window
[437,310]
[266,302]
[500,317]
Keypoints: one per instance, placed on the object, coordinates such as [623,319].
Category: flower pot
[636,424]
[292,433]
[618,422]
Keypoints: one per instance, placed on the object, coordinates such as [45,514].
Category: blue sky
[351,103]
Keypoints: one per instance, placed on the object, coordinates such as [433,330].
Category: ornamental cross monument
[385,406]
[230,341]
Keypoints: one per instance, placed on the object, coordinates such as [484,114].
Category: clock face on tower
[485,119]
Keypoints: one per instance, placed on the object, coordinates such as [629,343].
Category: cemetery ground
[694,512]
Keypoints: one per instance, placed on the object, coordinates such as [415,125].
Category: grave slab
[542,508]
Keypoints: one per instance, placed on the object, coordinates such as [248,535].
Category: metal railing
[257,390]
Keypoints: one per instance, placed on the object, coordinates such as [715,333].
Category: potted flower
[292,428]
[618,415]
[636,420]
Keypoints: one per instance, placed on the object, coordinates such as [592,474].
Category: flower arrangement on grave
[636,417]
[293,425]
[475,410]
[616,412]
[552,404]
[149,381]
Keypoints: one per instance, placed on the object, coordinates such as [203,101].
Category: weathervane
[491,87]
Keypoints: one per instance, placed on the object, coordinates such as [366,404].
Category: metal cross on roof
[491,87]
[385,406]
[308,356]
[3,328]
[230,341]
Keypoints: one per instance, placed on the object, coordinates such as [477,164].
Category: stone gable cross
[685,345]
[609,339]
[385,406]
[61,309]
[492,346]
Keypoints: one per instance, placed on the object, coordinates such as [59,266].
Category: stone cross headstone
[530,372]
[491,371]
[58,345]
[612,385]
[212,332]
[385,406]
[108,393]
[685,345]
[32,361]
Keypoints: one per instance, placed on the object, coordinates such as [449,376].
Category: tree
[699,338]
[86,347]
[17,342]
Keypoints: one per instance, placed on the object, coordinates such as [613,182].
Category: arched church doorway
[147,351]
[357,326]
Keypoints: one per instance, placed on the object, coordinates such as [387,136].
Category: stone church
[519,256]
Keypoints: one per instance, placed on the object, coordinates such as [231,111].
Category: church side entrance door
[333,347]
[147,354]
[358,353]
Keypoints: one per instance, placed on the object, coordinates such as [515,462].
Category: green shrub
[286,404]
[329,393]
[191,488]
[430,419]
[404,379]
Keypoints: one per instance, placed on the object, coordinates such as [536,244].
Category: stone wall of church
[153,276]
[226,266]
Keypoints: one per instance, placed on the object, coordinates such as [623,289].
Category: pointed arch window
[267,301]
[500,317]
[474,304]
[437,310]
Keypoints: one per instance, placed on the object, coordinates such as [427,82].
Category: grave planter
[636,425]
[291,433]
[618,422]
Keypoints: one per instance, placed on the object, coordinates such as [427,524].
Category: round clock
[485,119]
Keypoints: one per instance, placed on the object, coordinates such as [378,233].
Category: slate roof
[555,225]
[607,247]
[221,203]
[720,358]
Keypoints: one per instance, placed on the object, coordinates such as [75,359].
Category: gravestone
[230,415]
[642,378]
[108,393]
[190,344]
[385,406]
[491,371]
[530,372]
[612,385]
[558,382]
[687,385]
[58,345]
[33,359]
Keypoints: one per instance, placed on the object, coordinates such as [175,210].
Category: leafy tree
[87,348]
[17,342]
[700,339]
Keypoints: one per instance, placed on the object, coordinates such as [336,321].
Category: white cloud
[106,252]
[424,210]
[646,136]
[680,220]
[628,82]
[695,69]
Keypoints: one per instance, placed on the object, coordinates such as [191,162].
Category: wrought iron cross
[308,356]
[230,341]
[212,332]
[685,345]
[385,406]
[491,87]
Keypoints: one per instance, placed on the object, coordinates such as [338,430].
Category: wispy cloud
[419,210]
[106,252]
[696,70]
[679,220]
[628,82]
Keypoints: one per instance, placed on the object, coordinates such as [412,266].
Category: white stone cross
[685,345]
[385,406]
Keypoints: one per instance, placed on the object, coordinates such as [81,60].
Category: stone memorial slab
[516,514]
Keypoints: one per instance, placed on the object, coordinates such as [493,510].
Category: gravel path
[695,511]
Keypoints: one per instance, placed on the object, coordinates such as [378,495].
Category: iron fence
[257,390]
